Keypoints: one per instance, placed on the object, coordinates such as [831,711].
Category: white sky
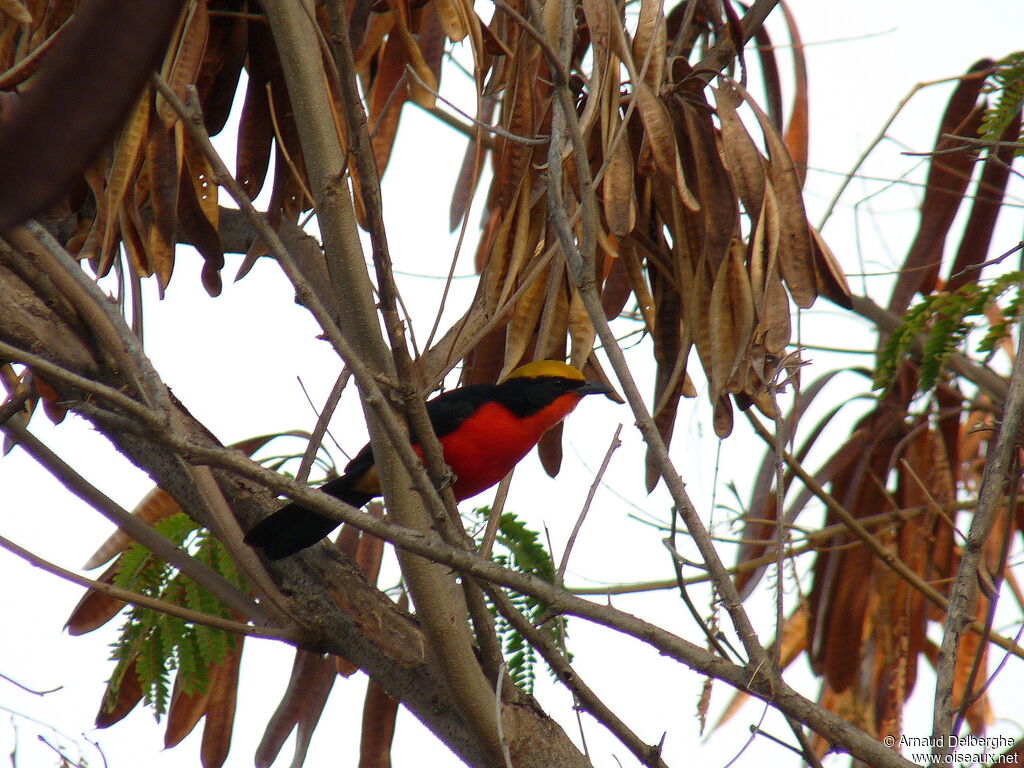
[235,366]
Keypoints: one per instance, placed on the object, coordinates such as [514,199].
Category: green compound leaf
[1007,82]
[521,549]
[941,322]
[164,648]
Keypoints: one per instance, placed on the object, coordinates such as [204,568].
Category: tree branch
[199,572]
[580,258]
[144,601]
[432,588]
[964,590]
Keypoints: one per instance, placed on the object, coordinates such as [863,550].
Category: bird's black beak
[597,388]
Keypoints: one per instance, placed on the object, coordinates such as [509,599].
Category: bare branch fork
[580,256]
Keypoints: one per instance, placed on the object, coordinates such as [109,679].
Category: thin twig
[50,370]
[813,542]
[722,52]
[320,428]
[968,143]
[612,446]
[152,603]
[985,378]
[494,517]
[66,762]
[199,572]
[497,130]
[283,147]
[497,716]
[873,144]
[716,641]
[588,700]
[225,526]
[779,435]
[25,688]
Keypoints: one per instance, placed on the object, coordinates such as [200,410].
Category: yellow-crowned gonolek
[484,430]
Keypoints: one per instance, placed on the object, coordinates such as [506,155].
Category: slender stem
[145,601]
[612,446]
[199,572]
[588,700]
[320,428]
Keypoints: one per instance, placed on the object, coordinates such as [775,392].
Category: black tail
[293,527]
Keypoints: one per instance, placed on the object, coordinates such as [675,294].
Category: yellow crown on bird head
[541,368]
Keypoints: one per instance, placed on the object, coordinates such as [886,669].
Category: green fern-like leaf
[164,647]
[1010,312]
[521,549]
[900,342]
[1007,82]
[942,322]
[528,553]
[947,330]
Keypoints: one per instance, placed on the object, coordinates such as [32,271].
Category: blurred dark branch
[725,50]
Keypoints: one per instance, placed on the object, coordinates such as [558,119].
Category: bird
[484,431]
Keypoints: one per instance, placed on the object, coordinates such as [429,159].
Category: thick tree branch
[431,587]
